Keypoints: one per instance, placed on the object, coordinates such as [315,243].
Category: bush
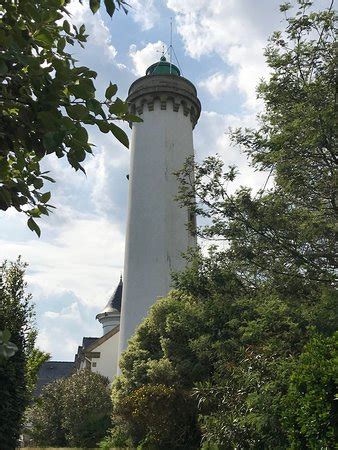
[45,417]
[310,409]
[74,411]
[159,416]
[118,437]
[16,316]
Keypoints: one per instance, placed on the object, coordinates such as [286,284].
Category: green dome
[163,67]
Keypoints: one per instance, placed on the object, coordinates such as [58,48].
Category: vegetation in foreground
[74,411]
[18,370]
[47,100]
[241,354]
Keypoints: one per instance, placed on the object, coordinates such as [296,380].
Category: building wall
[157,226]
[106,364]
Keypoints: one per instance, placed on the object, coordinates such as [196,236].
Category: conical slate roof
[114,302]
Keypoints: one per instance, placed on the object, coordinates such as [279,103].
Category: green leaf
[48,178]
[5,195]
[3,67]
[118,107]
[94,5]
[61,45]
[35,212]
[38,183]
[77,112]
[81,135]
[44,38]
[110,7]
[44,198]
[6,335]
[66,26]
[83,89]
[32,225]
[96,107]
[133,118]
[111,91]
[103,125]
[80,154]
[49,140]
[119,134]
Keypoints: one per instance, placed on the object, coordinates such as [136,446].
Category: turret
[109,317]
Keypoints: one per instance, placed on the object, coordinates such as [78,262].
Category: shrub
[159,416]
[74,411]
[310,409]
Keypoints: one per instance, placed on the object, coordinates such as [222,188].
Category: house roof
[51,371]
[114,302]
[102,339]
[87,341]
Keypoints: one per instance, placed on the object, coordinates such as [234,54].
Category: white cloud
[232,29]
[58,342]
[85,257]
[144,12]
[107,172]
[217,84]
[146,56]
[70,312]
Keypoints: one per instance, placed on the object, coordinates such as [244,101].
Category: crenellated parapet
[164,92]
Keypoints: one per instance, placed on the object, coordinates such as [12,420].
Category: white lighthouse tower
[157,233]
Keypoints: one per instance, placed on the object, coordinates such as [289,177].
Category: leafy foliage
[45,417]
[46,101]
[284,235]
[34,361]
[86,408]
[250,319]
[7,348]
[17,317]
[72,412]
[151,397]
[310,409]
[159,416]
[231,354]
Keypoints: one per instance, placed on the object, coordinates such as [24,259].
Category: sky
[76,263]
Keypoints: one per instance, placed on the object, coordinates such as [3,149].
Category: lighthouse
[157,233]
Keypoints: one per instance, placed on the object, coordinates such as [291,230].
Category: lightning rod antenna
[171,42]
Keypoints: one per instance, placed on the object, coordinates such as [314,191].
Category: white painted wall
[156,228]
[109,321]
[107,363]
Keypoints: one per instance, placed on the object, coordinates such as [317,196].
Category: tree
[74,411]
[284,235]
[46,100]
[34,361]
[279,241]
[309,407]
[240,331]
[16,316]
[45,417]
[86,408]
[159,416]
[7,348]
[151,397]
[230,355]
